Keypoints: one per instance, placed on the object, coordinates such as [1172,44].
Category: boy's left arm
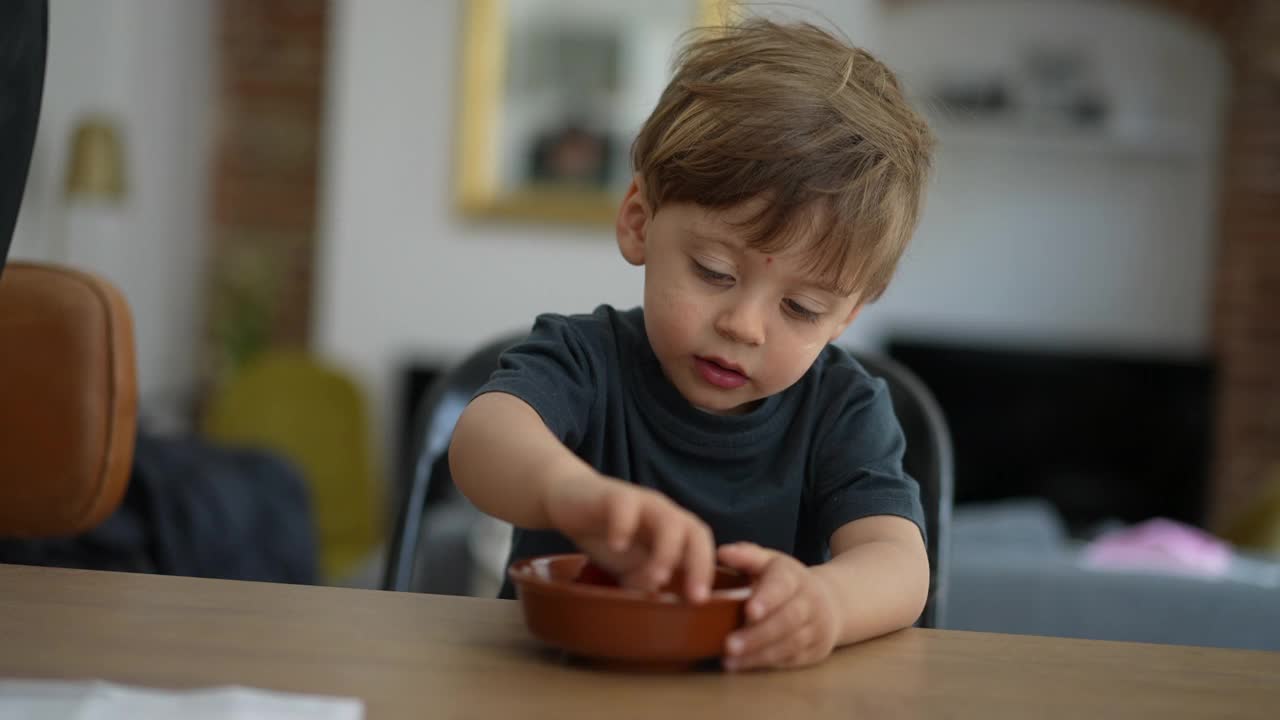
[876,582]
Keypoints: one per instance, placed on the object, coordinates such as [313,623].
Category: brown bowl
[659,630]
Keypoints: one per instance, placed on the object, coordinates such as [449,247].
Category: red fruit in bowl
[592,574]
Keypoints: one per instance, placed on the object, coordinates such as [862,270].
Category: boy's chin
[722,407]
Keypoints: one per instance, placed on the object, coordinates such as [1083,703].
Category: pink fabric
[1161,545]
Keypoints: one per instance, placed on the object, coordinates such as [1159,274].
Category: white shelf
[982,136]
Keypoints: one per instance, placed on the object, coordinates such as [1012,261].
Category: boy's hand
[638,534]
[791,616]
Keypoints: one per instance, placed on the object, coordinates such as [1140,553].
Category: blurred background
[314,208]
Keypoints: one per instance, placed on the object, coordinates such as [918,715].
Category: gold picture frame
[481,189]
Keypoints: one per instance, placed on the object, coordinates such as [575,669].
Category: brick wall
[270,96]
[1247,296]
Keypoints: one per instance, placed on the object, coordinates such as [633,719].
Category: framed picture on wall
[552,93]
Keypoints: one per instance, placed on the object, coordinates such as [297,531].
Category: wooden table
[427,656]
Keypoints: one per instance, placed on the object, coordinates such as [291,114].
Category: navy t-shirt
[786,475]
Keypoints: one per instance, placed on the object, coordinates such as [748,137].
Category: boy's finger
[668,541]
[772,641]
[779,655]
[753,639]
[624,517]
[747,557]
[700,563]
[776,586]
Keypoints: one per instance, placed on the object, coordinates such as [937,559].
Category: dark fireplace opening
[1101,436]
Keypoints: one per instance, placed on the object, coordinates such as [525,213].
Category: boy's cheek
[680,316]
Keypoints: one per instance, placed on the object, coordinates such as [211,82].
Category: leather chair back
[68,400]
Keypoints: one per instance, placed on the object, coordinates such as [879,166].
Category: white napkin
[96,700]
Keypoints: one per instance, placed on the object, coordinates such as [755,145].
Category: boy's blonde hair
[817,128]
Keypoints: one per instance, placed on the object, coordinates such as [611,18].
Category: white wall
[1065,239]
[147,63]
[1065,248]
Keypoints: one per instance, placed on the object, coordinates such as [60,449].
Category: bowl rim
[522,572]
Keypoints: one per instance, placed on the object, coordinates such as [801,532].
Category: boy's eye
[710,275]
[801,312]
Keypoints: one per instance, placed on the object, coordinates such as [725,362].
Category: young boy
[776,185]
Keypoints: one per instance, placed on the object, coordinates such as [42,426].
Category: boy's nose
[742,322]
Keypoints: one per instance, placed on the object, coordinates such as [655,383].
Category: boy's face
[730,325]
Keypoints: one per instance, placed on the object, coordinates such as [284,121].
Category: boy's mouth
[720,372]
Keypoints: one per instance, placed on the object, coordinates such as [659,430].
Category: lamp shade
[96,167]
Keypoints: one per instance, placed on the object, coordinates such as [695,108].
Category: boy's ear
[633,222]
[844,325]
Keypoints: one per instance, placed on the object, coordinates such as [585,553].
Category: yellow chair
[1258,527]
[314,416]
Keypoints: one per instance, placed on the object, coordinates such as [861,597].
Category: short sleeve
[857,469]
[556,370]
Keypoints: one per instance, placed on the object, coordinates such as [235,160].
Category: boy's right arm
[503,458]
[506,461]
